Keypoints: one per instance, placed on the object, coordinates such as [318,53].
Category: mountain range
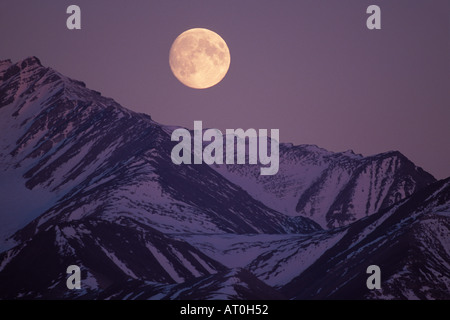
[88,182]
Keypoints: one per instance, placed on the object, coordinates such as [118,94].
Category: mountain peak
[349,152]
[4,65]
[30,61]
[9,69]
[393,153]
[6,62]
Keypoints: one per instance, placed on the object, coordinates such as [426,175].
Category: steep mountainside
[98,158]
[410,243]
[333,189]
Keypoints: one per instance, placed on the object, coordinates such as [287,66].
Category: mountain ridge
[86,181]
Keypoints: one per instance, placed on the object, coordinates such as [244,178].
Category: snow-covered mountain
[333,189]
[94,157]
[108,252]
[235,284]
[410,242]
[76,165]
[85,181]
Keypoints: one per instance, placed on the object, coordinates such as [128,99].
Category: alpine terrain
[87,182]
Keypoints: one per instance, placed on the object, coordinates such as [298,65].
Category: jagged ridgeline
[87,182]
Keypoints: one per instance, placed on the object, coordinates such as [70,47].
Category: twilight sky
[309,68]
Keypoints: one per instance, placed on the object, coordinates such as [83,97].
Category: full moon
[199,58]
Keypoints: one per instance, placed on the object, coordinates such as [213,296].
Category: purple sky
[310,68]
